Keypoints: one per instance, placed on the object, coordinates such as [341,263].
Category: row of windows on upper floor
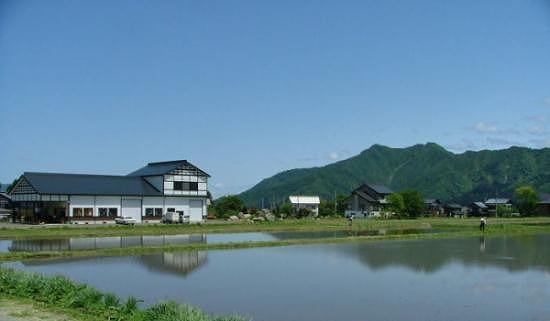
[201,179]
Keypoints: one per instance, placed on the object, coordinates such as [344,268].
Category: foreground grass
[399,231]
[324,224]
[16,309]
[82,302]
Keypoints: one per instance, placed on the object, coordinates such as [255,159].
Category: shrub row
[63,293]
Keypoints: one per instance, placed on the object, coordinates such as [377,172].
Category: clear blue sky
[245,89]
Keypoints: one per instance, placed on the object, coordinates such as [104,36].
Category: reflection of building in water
[93,243]
[175,262]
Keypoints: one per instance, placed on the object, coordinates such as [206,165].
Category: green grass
[87,303]
[325,224]
[445,228]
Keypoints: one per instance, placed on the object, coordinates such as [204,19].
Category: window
[88,212]
[186,186]
[83,212]
[107,212]
[170,209]
[153,211]
[77,212]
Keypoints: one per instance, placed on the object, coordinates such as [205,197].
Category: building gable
[22,186]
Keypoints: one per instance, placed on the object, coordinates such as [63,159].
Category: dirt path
[13,310]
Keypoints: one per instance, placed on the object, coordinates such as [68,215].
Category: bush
[228,206]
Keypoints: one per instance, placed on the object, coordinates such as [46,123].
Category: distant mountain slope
[436,172]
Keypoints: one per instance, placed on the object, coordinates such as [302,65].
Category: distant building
[433,207]
[478,209]
[543,206]
[455,210]
[310,203]
[5,201]
[368,200]
[5,205]
[145,195]
[494,203]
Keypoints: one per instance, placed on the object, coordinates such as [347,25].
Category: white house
[308,202]
[145,195]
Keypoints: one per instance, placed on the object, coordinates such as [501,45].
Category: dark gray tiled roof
[80,184]
[431,201]
[365,196]
[454,205]
[544,198]
[161,168]
[497,201]
[480,205]
[380,189]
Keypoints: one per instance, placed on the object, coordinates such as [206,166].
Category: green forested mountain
[431,169]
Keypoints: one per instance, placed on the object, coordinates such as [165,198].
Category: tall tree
[413,202]
[526,199]
[396,204]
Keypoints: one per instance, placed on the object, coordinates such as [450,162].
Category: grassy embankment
[324,224]
[398,229]
[61,296]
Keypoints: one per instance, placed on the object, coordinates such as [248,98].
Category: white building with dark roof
[310,203]
[145,195]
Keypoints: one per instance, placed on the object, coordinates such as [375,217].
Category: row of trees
[408,203]
[232,205]
[405,204]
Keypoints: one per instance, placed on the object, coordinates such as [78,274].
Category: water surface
[445,279]
[105,242]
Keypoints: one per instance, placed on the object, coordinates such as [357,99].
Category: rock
[233,218]
[241,215]
[247,216]
[270,217]
[259,219]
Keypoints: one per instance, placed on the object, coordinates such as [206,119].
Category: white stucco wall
[178,203]
[81,201]
[108,202]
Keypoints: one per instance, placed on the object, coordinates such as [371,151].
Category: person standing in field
[482,224]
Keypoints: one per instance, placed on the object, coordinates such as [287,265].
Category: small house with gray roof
[144,195]
[494,204]
[368,200]
[543,205]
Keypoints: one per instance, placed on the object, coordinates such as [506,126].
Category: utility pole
[496,203]
[335,204]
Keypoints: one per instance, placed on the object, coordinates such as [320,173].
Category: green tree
[396,204]
[286,209]
[413,203]
[228,205]
[526,199]
[326,208]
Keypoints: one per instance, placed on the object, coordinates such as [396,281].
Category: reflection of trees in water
[511,253]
